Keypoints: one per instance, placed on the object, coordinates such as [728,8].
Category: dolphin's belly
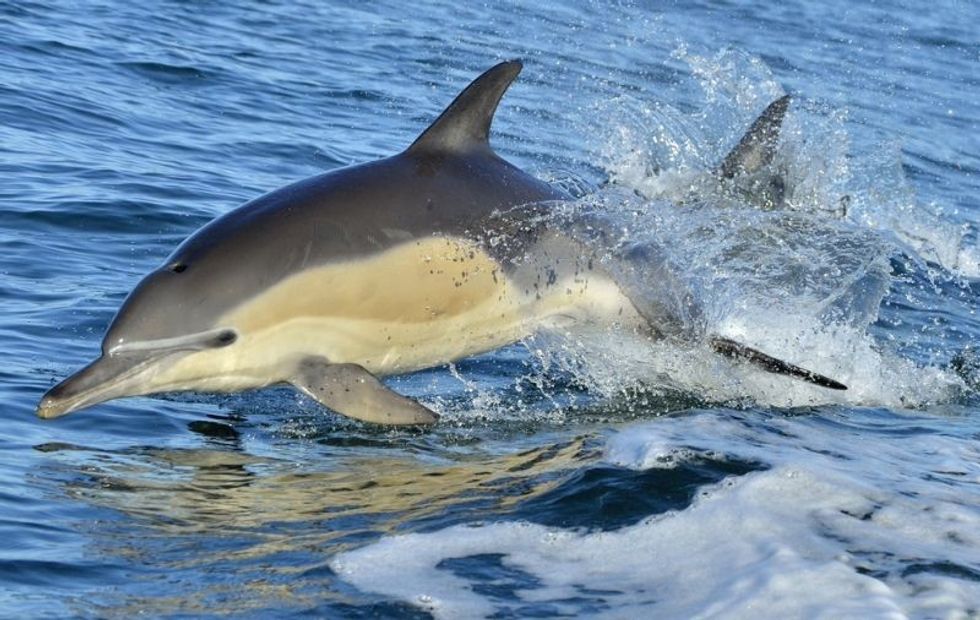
[421,304]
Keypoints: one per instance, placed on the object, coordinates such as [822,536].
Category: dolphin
[377,269]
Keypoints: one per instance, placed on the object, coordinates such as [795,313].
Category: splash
[801,275]
[663,151]
[802,288]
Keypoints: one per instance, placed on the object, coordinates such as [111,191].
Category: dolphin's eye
[178,267]
[226,338]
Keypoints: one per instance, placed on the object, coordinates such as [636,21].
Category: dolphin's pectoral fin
[351,390]
[734,350]
[758,146]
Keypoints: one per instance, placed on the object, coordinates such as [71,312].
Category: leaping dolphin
[377,269]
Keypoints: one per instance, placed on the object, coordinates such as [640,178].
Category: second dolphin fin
[758,146]
[738,351]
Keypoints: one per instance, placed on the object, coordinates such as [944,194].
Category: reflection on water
[218,531]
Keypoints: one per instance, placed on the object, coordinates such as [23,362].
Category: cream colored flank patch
[420,304]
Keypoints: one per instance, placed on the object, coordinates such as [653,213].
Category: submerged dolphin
[747,174]
[378,269]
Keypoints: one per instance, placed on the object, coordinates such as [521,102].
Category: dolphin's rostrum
[372,270]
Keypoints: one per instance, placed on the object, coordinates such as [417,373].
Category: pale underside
[421,304]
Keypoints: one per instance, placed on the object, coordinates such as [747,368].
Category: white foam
[610,362]
[792,541]
[664,153]
[797,286]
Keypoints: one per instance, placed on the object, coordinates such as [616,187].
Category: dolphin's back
[353,213]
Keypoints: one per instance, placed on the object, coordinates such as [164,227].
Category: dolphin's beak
[106,378]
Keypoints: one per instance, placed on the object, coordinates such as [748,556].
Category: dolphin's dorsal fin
[758,145]
[465,124]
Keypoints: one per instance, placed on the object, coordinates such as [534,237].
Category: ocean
[573,474]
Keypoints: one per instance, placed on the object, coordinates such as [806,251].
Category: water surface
[580,475]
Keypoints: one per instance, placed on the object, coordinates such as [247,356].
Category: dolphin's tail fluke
[758,146]
[735,350]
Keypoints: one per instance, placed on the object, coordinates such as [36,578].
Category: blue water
[582,476]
